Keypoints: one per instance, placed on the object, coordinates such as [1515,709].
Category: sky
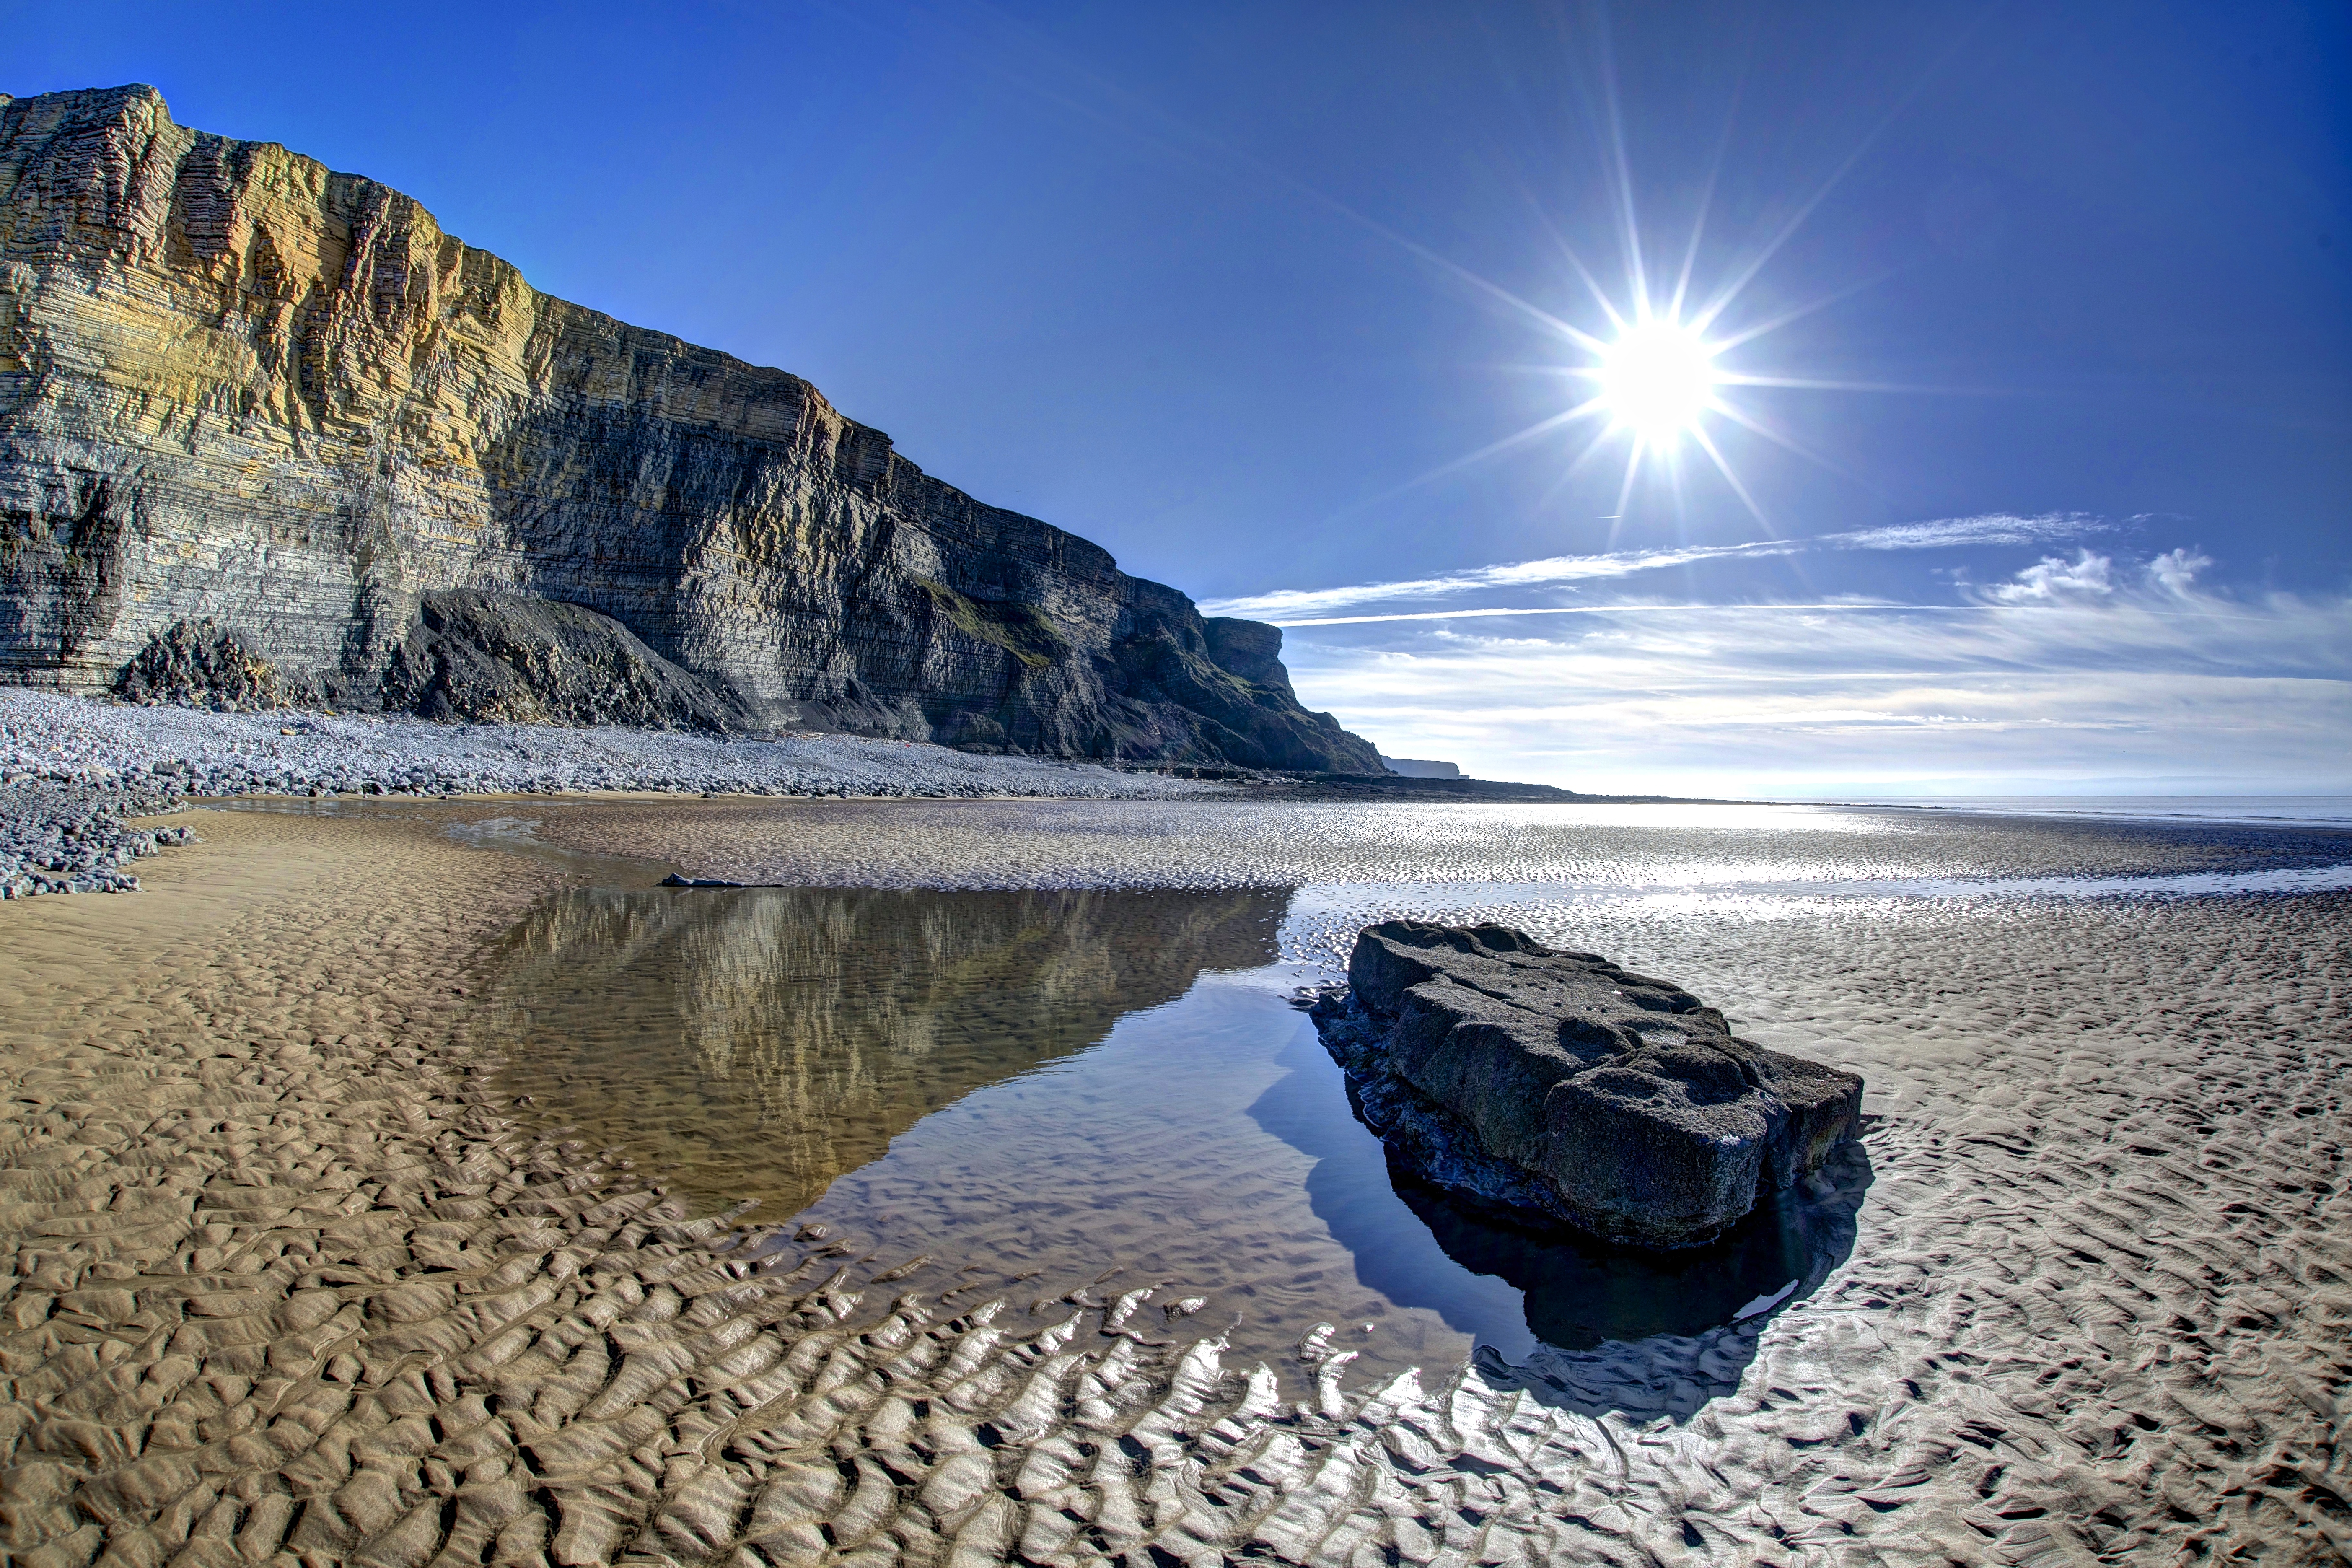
[2029,467]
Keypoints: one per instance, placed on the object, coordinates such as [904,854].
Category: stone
[478,657]
[1558,1086]
[202,664]
[238,387]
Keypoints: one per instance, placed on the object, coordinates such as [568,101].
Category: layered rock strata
[1559,1086]
[237,386]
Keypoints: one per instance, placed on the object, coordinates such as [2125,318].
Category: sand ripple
[285,1285]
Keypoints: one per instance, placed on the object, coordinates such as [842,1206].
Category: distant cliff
[239,388]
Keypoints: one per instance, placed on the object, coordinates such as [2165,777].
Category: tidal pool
[1033,1093]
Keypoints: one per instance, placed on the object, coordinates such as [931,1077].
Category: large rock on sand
[1557,1082]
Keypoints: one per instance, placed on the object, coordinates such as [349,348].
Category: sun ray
[1682,510]
[1797,220]
[1585,410]
[1618,170]
[1706,204]
[1708,444]
[1811,383]
[1591,450]
[1625,491]
[1739,416]
[1568,252]
[1800,312]
[1568,475]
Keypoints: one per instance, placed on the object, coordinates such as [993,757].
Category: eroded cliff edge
[236,386]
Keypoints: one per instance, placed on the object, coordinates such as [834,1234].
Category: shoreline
[361,1310]
[199,752]
[74,769]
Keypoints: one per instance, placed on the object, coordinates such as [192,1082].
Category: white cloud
[2176,571]
[1294,605]
[2051,580]
[1284,604]
[2149,678]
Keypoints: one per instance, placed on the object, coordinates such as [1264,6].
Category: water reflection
[1580,1292]
[1029,1094]
[758,1042]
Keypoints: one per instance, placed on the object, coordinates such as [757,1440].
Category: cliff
[237,387]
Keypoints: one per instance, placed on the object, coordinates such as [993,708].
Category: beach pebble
[72,769]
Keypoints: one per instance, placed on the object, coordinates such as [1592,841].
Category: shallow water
[1042,1092]
[1245,842]
[2277,810]
[1035,1087]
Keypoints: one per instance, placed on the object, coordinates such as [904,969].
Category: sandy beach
[295,1279]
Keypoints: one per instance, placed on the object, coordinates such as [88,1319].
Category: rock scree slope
[237,387]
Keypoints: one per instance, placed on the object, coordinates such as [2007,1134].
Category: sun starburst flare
[1658,376]
[1657,380]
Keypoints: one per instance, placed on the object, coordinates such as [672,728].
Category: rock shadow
[1582,1292]
[1578,1322]
[1653,1333]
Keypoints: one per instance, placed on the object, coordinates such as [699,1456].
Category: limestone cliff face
[237,386]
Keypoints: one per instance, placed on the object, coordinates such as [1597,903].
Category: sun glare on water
[1657,380]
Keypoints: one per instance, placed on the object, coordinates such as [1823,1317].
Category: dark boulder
[1559,1083]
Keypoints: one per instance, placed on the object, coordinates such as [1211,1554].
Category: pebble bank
[73,770]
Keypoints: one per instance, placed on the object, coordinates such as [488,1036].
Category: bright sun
[1657,380]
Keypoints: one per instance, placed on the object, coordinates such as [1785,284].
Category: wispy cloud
[1287,601]
[2047,678]
[1625,607]
[2176,570]
[1993,528]
[1313,606]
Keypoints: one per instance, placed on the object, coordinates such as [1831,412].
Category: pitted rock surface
[237,386]
[1558,1081]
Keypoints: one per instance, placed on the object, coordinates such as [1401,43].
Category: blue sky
[1280,303]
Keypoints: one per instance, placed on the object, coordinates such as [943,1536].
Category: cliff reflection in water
[758,1042]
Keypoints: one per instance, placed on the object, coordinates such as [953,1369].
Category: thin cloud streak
[1299,607]
[1618,610]
[2152,679]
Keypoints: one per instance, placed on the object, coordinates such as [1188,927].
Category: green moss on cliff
[1024,631]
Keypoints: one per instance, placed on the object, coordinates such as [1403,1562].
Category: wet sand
[291,1279]
[1261,843]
